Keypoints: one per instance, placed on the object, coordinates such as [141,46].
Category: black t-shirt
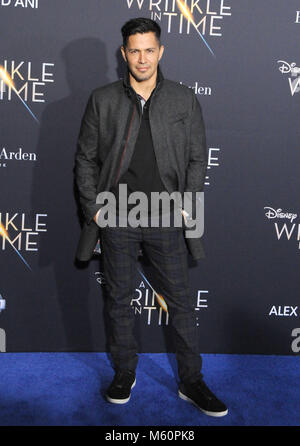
[142,174]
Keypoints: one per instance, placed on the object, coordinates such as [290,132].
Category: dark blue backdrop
[246,77]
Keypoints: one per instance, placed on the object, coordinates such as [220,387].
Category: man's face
[142,55]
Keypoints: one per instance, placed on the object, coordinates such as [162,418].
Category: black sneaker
[120,388]
[199,394]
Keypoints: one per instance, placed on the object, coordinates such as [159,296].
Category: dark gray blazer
[106,142]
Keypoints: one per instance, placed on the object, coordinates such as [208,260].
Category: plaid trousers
[166,251]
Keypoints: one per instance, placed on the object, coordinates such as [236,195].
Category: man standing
[147,133]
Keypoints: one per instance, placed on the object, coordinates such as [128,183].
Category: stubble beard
[139,77]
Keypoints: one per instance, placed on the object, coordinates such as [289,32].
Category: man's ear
[161,51]
[123,53]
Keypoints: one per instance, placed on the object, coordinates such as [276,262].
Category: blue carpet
[66,389]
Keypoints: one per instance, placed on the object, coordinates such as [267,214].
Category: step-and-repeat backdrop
[241,59]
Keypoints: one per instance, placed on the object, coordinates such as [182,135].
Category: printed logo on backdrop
[11,157]
[283,311]
[297,17]
[200,89]
[288,311]
[34,4]
[148,302]
[20,233]
[186,16]
[25,82]
[293,75]
[213,161]
[2,303]
[284,224]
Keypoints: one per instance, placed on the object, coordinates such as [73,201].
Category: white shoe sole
[207,412]
[117,401]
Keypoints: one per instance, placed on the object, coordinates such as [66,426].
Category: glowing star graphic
[2,303]
[4,234]
[4,75]
[189,16]
[159,298]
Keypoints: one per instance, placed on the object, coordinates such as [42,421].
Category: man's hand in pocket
[97,216]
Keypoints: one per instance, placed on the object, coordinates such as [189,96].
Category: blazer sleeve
[197,163]
[87,164]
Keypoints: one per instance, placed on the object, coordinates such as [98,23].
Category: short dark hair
[140,25]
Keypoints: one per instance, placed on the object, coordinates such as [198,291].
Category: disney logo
[273,213]
[289,68]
